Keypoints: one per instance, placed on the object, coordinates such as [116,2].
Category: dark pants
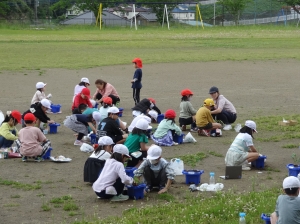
[153,181]
[134,161]
[118,185]
[4,143]
[114,98]
[187,121]
[136,95]
[226,117]
[80,136]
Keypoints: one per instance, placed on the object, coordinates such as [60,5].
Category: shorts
[185,121]
[233,158]
[208,126]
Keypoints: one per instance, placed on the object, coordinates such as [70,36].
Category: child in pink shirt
[32,142]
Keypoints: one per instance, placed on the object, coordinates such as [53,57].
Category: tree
[14,9]
[234,7]
[293,4]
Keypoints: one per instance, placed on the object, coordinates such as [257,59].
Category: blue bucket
[136,192]
[293,171]
[160,117]
[192,176]
[260,162]
[55,108]
[47,154]
[266,218]
[178,138]
[53,128]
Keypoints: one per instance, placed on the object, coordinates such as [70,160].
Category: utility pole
[36,4]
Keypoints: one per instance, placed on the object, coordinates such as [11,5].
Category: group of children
[118,145]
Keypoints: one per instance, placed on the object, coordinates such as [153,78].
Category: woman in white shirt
[113,178]
[95,163]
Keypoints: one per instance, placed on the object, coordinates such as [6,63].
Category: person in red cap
[8,130]
[81,98]
[32,142]
[163,135]
[187,111]
[137,79]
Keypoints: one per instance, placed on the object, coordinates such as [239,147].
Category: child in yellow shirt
[204,120]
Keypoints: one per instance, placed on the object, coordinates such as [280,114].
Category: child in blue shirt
[137,79]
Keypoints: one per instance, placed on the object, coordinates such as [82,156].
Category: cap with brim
[17,115]
[46,103]
[113,110]
[96,116]
[291,182]
[40,85]
[105,140]
[122,149]
[209,102]
[142,124]
[29,117]
[251,124]
[86,80]
[86,92]
[213,90]
[154,152]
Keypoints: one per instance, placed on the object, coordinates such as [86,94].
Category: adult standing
[105,89]
[223,110]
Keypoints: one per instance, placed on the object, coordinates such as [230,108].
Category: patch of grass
[61,200]
[217,43]
[18,185]
[193,159]
[56,205]
[15,196]
[46,207]
[215,154]
[70,206]
[272,169]
[11,205]
[166,197]
[290,146]
[223,207]
[41,195]
[72,213]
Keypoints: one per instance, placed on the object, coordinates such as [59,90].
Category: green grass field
[65,48]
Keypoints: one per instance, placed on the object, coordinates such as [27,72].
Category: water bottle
[242,218]
[212,178]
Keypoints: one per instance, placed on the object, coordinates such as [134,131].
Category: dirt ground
[254,87]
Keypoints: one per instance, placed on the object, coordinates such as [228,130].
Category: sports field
[257,68]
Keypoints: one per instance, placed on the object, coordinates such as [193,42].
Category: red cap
[16,115]
[170,114]
[152,100]
[86,92]
[29,117]
[186,92]
[138,62]
[107,100]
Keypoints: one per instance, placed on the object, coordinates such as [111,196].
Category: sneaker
[148,188]
[38,159]
[175,143]
[24,159]
[227,127]
[77,142]
[246,168]
[194,130]
[183,128]
[202,132]
[120,197]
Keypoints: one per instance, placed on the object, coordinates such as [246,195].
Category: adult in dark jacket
[109,127]
[144,106]
[39,111]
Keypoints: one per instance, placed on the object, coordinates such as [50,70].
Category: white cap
[142,124]
[122,149]
[96,116]
[153,114]
[40,85]
[251,124]
[86,80]
[46,103]
[105,140]
[154,152]
[113,110]
[291,182]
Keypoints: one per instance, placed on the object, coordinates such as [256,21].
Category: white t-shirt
[102,155]
[37,97]
[111,171]
[241,143]
[78,89]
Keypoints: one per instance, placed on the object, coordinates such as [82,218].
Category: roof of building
[149,16]
[182,9]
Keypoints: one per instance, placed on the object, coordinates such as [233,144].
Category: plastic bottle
[242,218]
[212,178]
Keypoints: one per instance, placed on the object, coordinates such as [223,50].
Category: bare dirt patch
[257,88]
